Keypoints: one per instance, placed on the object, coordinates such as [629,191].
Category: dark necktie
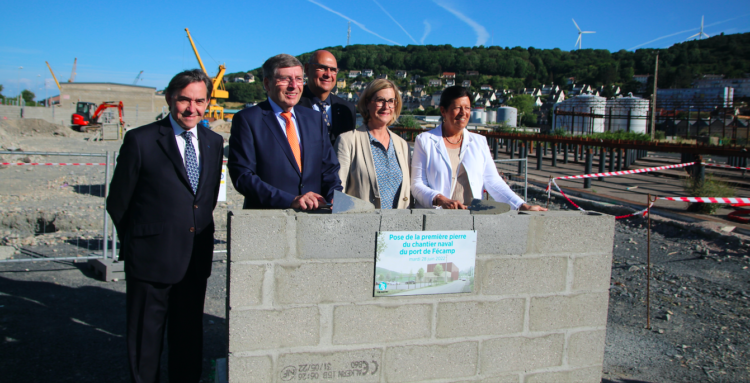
[191,161]
[326,118]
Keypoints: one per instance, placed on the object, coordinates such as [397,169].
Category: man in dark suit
[280,155]
[162,196]
[340,115]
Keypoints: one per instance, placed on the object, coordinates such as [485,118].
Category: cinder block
[259,234]
[438,361]
[439,219]
[456,319]
[592,272]
[512,378]
[582,375]
[380,324]
[586,348]
[521,353]
[507,276]
[571,232]
[400,220]
[324,282]
[245,284]
[337,236]
[269,329]
[569,311]
[250,369]
[502,233]
[348,366]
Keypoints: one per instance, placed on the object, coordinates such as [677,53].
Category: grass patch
[708,188]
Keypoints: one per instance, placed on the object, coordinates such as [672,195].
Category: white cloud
[427,30]
[482,34]
[394,20]
[353,21]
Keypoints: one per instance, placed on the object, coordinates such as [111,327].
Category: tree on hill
[28,96]
[524,103]
[438,270]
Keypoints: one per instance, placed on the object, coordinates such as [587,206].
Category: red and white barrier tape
[640,212]
[53,163]
[609,174]
[732,200]
[725,166]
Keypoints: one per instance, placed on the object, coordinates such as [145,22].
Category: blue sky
[113,41]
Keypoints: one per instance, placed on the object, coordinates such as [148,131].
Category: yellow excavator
[218,90]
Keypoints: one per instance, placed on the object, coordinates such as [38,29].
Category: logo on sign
[382,286]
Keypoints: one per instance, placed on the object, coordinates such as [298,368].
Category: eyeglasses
[286,80]
[391,102]
[324,68]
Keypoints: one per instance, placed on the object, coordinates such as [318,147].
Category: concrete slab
[108,270]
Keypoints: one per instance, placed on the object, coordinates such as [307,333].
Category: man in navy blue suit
[280,155]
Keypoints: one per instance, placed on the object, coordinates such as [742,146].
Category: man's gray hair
[183,79]
[282,60]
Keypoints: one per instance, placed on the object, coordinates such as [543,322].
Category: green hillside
[516,68]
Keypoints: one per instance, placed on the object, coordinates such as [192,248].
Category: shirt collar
[179,129]
[326,102]
[277,109]
[374,140]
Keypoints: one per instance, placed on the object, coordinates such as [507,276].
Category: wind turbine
[580,33]
[700,34]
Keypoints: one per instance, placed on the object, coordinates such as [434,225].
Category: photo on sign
[424,262]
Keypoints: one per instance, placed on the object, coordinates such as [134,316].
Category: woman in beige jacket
[374,161]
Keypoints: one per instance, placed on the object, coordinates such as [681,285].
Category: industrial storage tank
[619,108]
[478,116]
[582,114]
[491,116]
[507,115]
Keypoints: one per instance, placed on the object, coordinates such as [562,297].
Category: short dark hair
[185,78]
[453,93]
[282,60]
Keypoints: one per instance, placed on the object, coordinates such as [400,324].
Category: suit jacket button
[301,186]
[192,230]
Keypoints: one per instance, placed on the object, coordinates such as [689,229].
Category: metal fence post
[602,160]
[565,153]
[554,154]
[525,180]
[589,161]
[105,231]
[114,229]
[539,156]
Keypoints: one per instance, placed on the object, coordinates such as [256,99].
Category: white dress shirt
[181,141]
[431,169]
[277,111]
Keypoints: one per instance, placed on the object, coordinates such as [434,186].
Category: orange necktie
[291,136]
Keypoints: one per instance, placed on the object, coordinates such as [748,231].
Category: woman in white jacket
[451,166]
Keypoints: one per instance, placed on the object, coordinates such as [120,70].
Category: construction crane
[218,90]
[53,76]
[137,78]
[73,72]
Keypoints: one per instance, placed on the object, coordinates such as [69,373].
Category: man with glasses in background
[280,154]
[340,115]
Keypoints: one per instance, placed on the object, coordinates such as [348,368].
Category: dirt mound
[32,127]
[221,126]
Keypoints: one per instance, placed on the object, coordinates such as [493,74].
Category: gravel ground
[59,323]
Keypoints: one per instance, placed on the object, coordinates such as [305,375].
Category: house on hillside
[400,74]
[448,75]
[466,83]
[341,83]
[436,82]
[485,87]
[382,76]
[367,72]
[355,73]
[357,85]
[450,82]
[249,78]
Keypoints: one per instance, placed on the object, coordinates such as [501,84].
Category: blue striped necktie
[191,161]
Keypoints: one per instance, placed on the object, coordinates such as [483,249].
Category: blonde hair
[374,87]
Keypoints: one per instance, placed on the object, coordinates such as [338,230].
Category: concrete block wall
[301,307]
[62,115]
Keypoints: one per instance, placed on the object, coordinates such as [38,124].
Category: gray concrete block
[568,311]
[270,329]
[592,272]
[337,236]
[438,361]
[582,375]
[381,324]
[400,220]
[479,206]
[254,369]
[245,284]
[586,348]
[7,252]
[346,204]
[439,219]
[507,276]
[324,282]
[345,366]
[521,353]
[107,269]
[512,378]
[456,319]
[259,234]
[570,232]
[502,233]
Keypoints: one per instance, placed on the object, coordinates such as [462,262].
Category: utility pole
[653,99]
[348,33]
